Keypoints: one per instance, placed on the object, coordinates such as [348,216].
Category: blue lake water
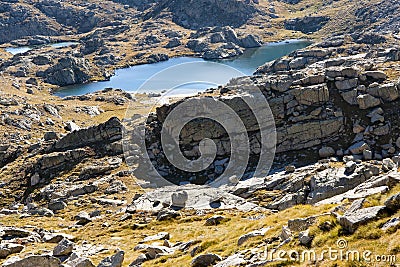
[176,72]
[23,49]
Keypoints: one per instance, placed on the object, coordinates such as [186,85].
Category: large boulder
[50,164]
[250,41]
[332,182]
[393,202]
[33,261]
[306,24]
[9,249]
[115,260]
[326,152]
[68,71]
[63,248]
[387,92]
[104,133]
[205,260]
[351,221]
[359,147]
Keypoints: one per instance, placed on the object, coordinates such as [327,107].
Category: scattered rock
[393,202]
[234,260]
[115,260]
[115,187]
[166,214]
[159,236]
[388,165]
[153,251]
[286,233]
[83,218]
[71,126]
[63,248]
[179,199]
[326,152]
[9,249]
[79,262]
[290,169]
[57,205]
[139,260]
[252,234]
[48,136]
[350,167]
[214,220]
[206,260]
[358,148]
[392,223]
[350,222]
[302,224]
[173,43]
[305,238]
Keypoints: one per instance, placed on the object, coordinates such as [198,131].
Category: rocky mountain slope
[197,14]
[70,196]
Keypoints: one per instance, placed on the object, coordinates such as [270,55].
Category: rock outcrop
[351,220]
[307,24]
[19,21]
[64,154]
[198,197]
[68,71]
[194,14]
[69,15]
[317,100]
[33,261]
[220,42]
[96,136]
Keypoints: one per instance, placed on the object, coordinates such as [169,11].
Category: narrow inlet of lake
[23,49]
[132,78]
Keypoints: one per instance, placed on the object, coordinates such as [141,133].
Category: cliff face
[325,102]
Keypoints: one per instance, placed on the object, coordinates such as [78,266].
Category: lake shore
[133,78]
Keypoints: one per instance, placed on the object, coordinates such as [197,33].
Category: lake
[187,75]
[23,49]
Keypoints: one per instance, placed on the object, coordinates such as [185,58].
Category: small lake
[23,49]
[135,77]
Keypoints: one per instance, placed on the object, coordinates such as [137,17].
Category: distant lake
[132,78]
[23,49]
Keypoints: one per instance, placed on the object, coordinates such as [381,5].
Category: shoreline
[195,56]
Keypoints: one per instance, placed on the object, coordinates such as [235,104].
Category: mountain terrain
[72,195]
